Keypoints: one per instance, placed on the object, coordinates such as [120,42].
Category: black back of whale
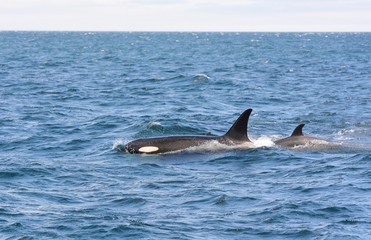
[237,134]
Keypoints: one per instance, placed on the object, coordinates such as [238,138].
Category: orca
[297,139]
[236,136]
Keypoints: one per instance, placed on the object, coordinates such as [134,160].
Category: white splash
[201,76]
[263,141]
[118,145]
[153,124]
[348,134]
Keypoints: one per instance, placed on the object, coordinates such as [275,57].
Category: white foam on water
[153,123]
[201,76]
[348,134]
[263,141]
[118,145]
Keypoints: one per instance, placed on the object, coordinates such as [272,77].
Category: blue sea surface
[71,100]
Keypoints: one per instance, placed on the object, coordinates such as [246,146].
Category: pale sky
[186,15]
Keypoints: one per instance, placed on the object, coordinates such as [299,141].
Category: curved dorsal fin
[238,131]
[298,131]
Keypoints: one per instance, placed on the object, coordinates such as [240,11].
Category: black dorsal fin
[238,131]
[298,131]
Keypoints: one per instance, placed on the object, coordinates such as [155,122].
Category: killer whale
[297,139]
[236,136]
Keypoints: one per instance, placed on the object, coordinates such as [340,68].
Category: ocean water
[71,100]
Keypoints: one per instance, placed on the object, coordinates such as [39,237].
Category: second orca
[299,140]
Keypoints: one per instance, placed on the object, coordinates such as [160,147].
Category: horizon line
[188,31]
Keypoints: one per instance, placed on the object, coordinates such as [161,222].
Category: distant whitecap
[201,77]
[153,124]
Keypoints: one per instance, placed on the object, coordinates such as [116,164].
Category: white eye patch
[148,149]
